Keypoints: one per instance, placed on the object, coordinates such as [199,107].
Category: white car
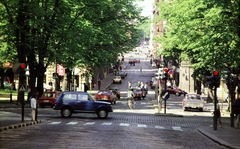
[192,101]
[117,79]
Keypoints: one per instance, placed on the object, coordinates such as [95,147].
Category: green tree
[71,33]
[205,33]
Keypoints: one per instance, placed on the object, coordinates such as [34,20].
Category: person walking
[129,85]
[236,111]
[146,87]
[130,97]
[99,84]
[33,102]
[218,114]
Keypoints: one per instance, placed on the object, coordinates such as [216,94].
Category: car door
[85,102]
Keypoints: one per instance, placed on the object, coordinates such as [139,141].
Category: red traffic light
[215,73]
[165,70]
[22,65]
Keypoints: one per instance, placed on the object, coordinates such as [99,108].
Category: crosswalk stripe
[106,123]
[142,125]
[72,123]
[159,127]
[89,123]
[55,123]
[177,128]
[124,124]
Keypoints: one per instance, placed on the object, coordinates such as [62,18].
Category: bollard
[10,97]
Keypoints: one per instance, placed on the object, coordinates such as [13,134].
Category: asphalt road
[124,128]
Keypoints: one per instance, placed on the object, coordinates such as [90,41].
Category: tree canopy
[205,33]
[71,32]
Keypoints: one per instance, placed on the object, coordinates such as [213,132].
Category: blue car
[81,102]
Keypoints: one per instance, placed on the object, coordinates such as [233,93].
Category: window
[70,97]
[83,97]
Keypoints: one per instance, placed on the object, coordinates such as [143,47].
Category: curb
[19,125]
[215,139]
[169,115]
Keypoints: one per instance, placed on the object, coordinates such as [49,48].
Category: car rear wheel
[102,113]
[66,112]
[200,109]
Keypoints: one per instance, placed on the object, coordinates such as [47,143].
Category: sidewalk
[225,136]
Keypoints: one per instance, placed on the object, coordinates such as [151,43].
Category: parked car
[117,79]
[192,101]
[122,73]
[106,95]
[174,90]
[137,93]
[116,92]
[81,102]
[48,98]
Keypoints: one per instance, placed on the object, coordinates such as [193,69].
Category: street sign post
[165,95]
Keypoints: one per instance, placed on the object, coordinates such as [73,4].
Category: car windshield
[104,92]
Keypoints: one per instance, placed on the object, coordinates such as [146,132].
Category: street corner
[222,136]
[19,125]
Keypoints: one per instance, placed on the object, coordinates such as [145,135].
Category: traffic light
[213,80]
[216,78]
[19,68]
[209,80]
[165,75]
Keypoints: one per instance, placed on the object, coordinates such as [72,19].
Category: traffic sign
[22,88]
[165,95]
[170,71]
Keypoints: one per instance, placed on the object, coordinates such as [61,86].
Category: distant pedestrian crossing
[176,128]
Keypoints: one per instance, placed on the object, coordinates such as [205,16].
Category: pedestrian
[130,97]
[129,85]
[99,84]
[141,85]
[218,113]
[85,87]
[33,102]
[236,111]
[140,69]
[146,87]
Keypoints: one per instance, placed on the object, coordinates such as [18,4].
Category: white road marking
[72,123]
[177,128]
[106,123]
[89,123]
[55,123]
[123,124]
[159,127]
[142,125]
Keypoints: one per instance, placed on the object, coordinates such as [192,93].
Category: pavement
[226,136]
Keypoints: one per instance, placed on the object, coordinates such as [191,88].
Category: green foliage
[205,33]
[71,33]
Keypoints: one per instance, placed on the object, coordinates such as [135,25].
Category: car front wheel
[66,112]
[102,113]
